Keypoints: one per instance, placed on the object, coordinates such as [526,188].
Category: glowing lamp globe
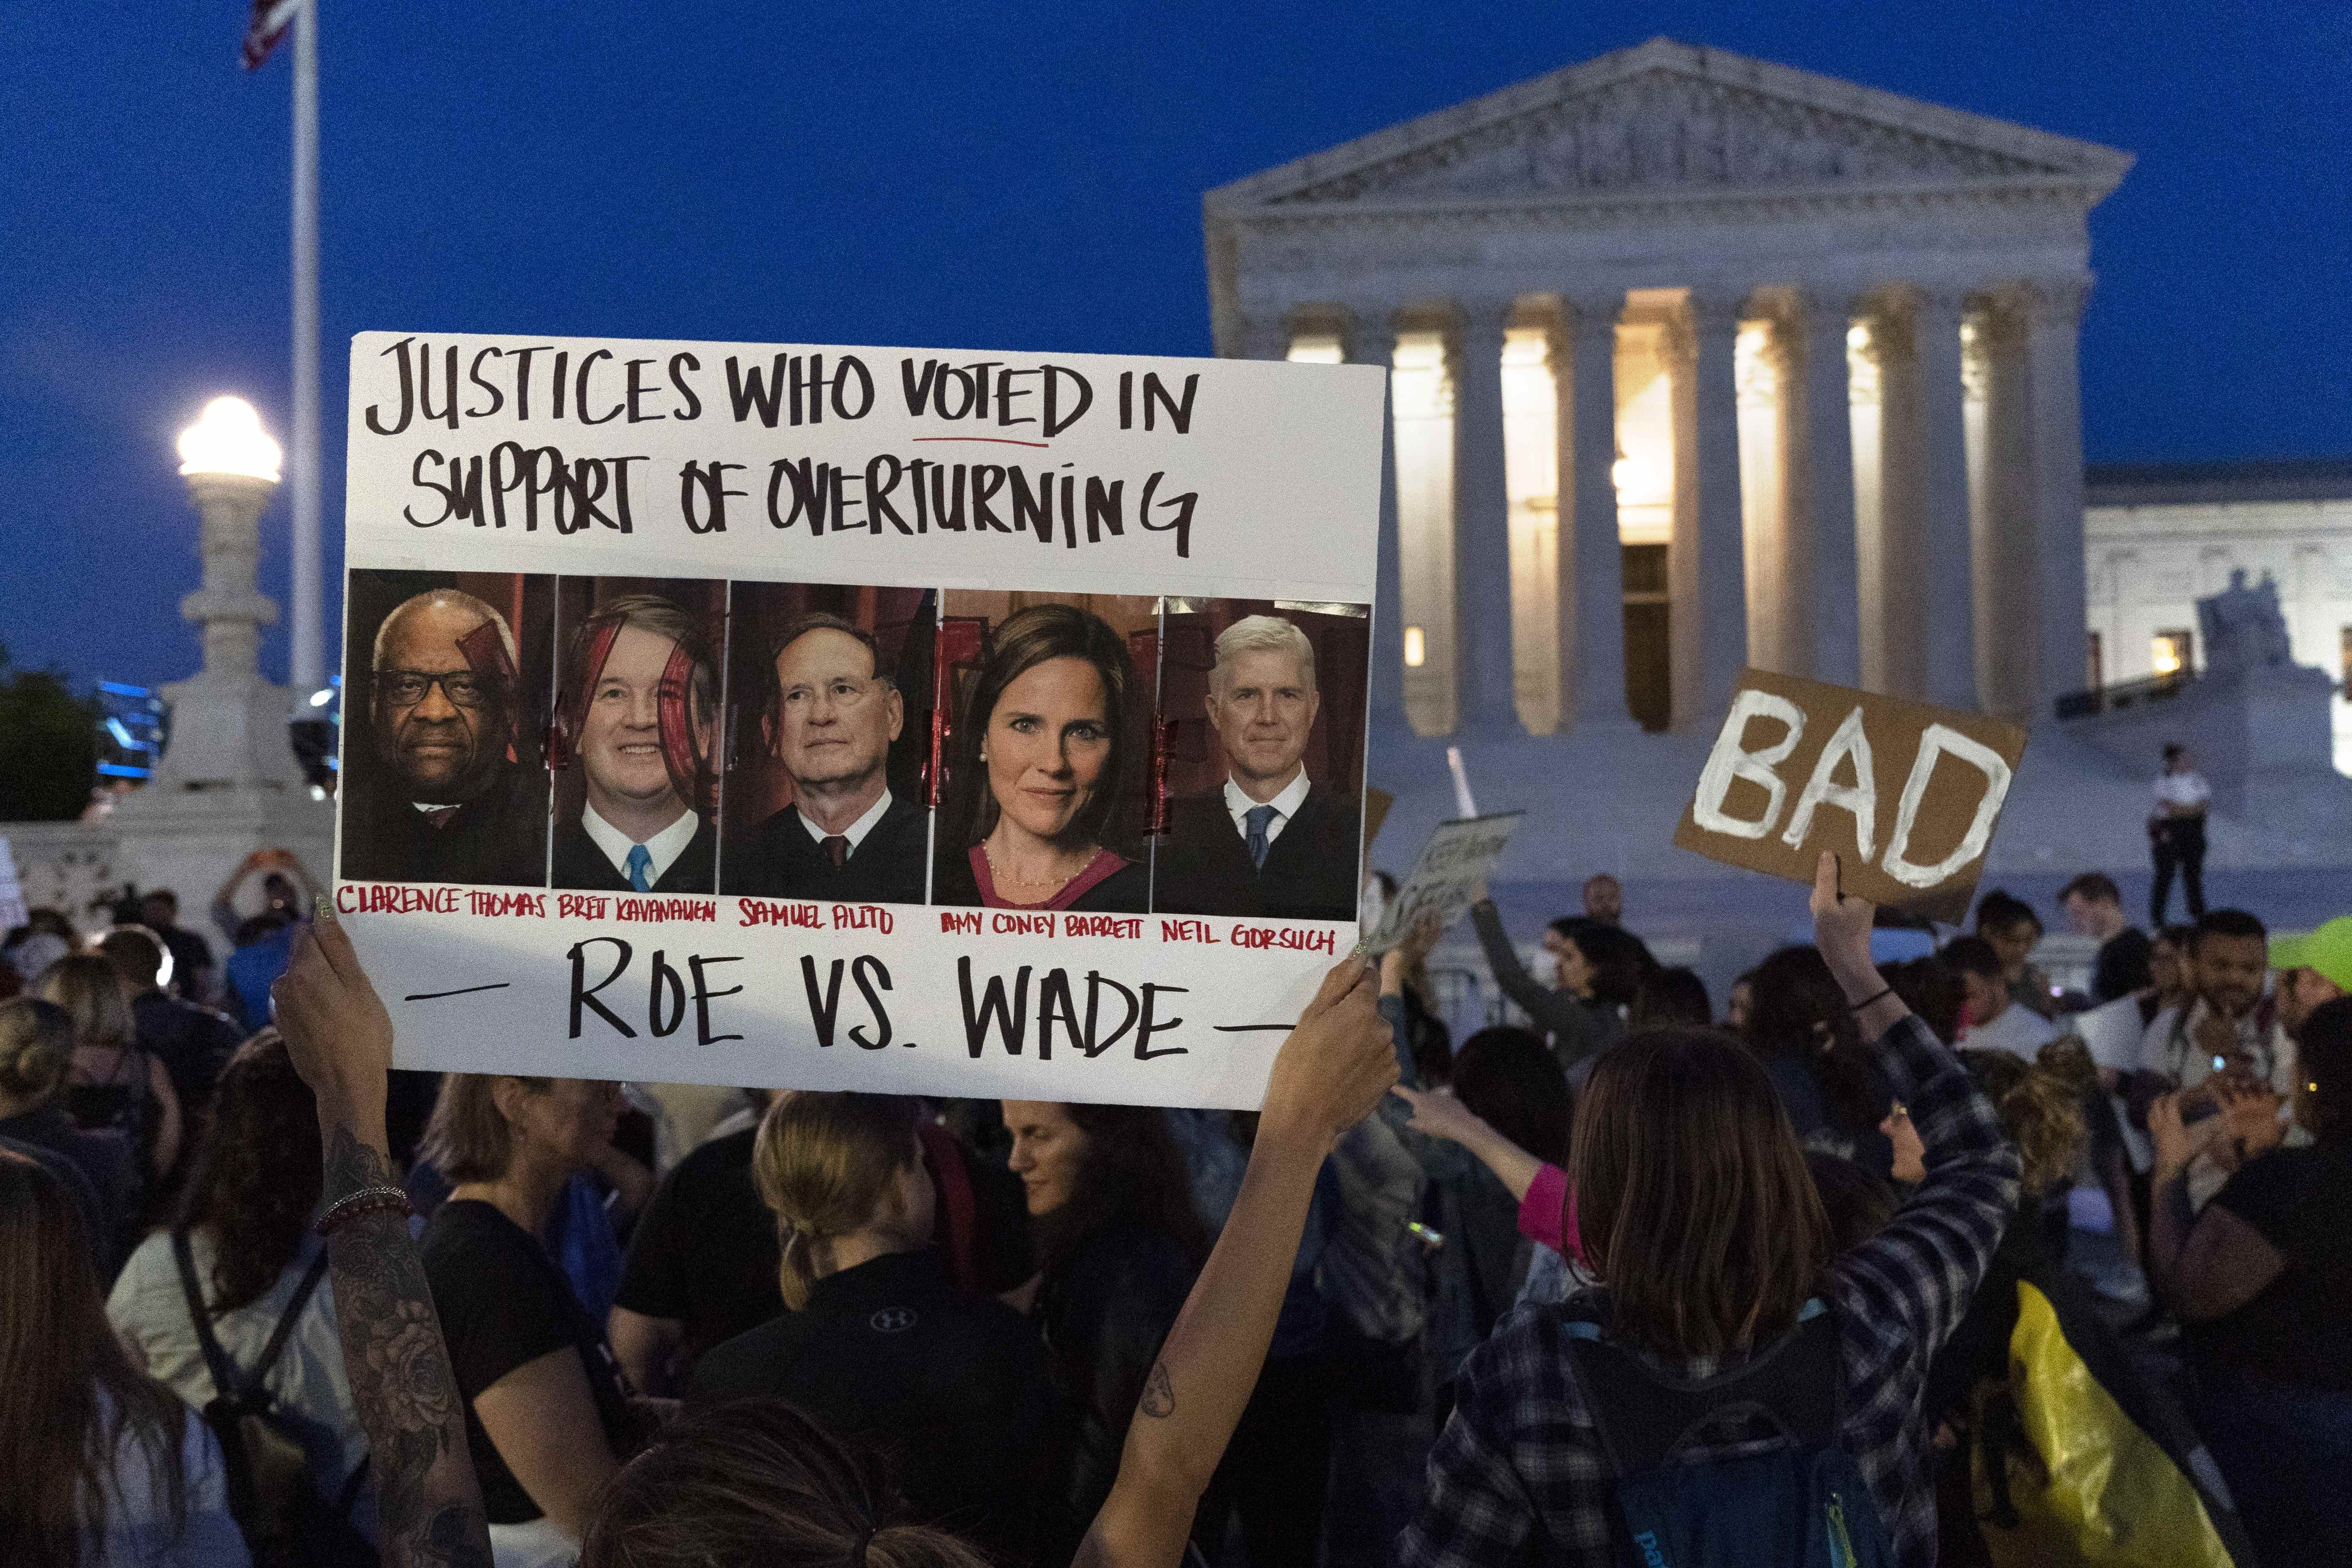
[229,440]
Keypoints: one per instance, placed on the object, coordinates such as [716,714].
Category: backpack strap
[228,1380]
[1645,1416]
[289,1317]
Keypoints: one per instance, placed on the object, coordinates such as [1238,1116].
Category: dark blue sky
[1009,175]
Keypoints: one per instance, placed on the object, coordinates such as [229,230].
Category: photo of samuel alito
[1269,842]
[446,785]
[639,710]
[828,718]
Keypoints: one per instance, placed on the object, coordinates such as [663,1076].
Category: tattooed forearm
[398,1365]
[1159,1394]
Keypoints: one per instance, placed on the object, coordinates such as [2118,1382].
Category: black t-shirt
[2297,1198]
[949,1386]
[2122,966]
[705,1250]
[504,1304]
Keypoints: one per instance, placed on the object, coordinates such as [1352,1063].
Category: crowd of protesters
[1614,1269]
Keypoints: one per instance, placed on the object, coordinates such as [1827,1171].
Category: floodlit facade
[1699,362]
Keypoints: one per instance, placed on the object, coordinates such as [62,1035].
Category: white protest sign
[2112,1030]
[858,718]
[1449,877]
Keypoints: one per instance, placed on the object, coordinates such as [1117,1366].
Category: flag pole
[306,661]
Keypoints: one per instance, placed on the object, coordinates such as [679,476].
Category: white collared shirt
[857,831]
[663,849]
[1285,805]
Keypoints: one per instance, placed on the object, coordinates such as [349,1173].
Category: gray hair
[456,597]
[1262,634]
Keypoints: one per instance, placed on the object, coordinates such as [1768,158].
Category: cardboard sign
[1908,795]
[1448,878]
[855,718]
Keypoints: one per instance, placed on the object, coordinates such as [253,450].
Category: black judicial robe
[1310,871]
[780,861]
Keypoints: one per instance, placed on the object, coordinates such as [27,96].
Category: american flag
[270,20]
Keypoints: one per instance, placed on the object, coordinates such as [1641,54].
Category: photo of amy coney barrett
[1045,749]
[1264,705]
[442,777]
[634,746]
[830,706]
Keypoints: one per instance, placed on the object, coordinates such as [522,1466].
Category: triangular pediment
[1663,117]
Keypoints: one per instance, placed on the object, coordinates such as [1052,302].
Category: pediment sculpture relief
[1662,129]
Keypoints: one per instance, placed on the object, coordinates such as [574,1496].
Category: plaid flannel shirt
[1518,1475]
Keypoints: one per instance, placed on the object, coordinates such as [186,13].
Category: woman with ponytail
[945,1388]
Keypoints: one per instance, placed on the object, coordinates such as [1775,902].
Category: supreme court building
[1698,362]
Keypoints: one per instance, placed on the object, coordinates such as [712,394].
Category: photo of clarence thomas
[442,777]
[1265,819]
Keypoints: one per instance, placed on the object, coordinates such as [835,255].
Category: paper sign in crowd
[1449,877]
[1908,795]
[954,722]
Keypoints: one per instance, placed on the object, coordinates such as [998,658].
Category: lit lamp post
[228,782]
[228,726]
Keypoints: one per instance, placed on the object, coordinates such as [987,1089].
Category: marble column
[2009,590]
[1265,336]
[1592,564]
[1947,620]
[1482,524]
[1372,340]
[1833,595]
[1884,374]
[2053,311]
[1722,552]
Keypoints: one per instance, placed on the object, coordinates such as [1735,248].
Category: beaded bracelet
[365,1202]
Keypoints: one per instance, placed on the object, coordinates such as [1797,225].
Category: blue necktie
[641,862]
[1257,819]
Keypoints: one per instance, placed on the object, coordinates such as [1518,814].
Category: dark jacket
[948,1384]
[106,1251]
[578,863]
[1311,870]
[497,839]
[1578,1029]
[109,1159]
[1104,1311]
[779,859]
[192,1043]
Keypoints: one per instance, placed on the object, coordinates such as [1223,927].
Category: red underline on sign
[997,440]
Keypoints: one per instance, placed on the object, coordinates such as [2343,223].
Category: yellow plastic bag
[2103,1494]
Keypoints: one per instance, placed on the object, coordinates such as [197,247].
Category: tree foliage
[48,745]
